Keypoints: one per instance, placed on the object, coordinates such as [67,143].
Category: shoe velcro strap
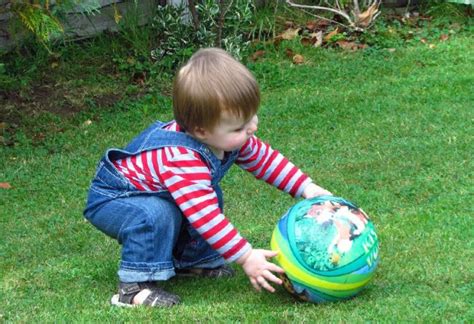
[129,288]
[161,298]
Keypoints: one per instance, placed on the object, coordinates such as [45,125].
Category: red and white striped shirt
[186,176]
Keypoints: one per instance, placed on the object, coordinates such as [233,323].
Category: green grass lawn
[391,131]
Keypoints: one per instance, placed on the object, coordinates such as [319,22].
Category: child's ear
[200,133]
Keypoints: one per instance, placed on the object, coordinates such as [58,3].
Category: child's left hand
[313,190]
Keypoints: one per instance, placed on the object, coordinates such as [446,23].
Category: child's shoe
[224,271]
[157,297]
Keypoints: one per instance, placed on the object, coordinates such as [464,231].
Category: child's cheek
[237,141]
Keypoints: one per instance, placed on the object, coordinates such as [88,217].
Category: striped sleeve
[188,180]
[271,166]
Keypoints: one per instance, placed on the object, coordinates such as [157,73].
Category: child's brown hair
[211,82]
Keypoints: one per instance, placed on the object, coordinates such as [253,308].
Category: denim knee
[147,226]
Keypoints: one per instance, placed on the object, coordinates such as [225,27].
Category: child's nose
[252,127]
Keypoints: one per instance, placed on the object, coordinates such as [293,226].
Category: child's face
[230,133]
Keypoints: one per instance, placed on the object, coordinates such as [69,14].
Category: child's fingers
[255,284]
[263,283]
[269,253]
[274,268]
[270,276]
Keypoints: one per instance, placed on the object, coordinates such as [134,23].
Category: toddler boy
[160,196]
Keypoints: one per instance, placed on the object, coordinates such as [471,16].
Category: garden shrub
[179,37]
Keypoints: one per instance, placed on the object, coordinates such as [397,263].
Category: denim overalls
[153,232]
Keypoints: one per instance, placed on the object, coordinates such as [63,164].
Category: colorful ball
[328,248]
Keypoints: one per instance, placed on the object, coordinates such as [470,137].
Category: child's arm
[269,165]
[188,180]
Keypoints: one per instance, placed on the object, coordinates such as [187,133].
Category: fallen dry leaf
[289,52]
[318,38]
[444,37]
[348,46]
[5,185]
[276,41]
[317,24]
[289,24]
[424,40]
[306,41]
[87,122]
[290,33]
[258,54]
[312,25]
[328,37]
[432,46]
[298,59]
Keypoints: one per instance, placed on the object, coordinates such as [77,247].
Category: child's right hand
[259,270]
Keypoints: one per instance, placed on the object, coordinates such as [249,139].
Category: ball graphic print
[328,248]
